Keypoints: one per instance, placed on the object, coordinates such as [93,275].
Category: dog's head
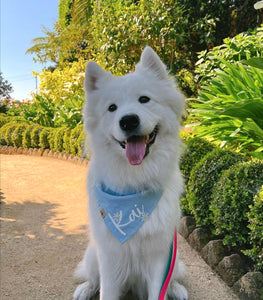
[136,116]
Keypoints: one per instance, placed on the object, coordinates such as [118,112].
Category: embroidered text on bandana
[124,214]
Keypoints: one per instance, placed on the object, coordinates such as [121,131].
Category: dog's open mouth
[137,146]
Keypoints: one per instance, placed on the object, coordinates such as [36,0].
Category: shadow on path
[32,252]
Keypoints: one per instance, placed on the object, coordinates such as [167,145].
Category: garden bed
[232,267]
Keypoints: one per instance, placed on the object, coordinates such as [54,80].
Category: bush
[185,135]
[232,17]
[231,199]
[3,130]
[63,85]
[27,136]
[35,136]
[186,81]
[196,149]
[17,135]
[203,178]
[230,109]
[75,140]
[4,119]
[241,47]
[51,138]
[255,219]
[59,139]
[80,142]
[10,128]
[43,138]
[66,141]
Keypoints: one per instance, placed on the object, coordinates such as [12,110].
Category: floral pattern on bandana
[124,214]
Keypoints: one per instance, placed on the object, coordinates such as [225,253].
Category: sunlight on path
[47,180]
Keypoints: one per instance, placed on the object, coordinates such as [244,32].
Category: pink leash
[169,268]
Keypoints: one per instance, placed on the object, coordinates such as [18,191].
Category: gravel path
[43,233]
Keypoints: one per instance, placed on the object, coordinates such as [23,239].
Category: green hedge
[34,136]
[231,199]
[76,139]
[17,136]
[196,149]
[203,178]
[10,128]
[2,134]
[66,140]
[26,142]
[4,119]
[59,139]
[43,138]
[255,219]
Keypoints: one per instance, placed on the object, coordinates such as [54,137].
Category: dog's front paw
[176,291]
[84,291]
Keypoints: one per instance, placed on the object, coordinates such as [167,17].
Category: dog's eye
[144,99]
[112,107]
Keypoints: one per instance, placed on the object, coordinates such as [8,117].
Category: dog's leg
[110,285]
[155,279]
[87,271]
[175,290]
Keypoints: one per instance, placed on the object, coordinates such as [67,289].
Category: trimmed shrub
[66,140]
[17,136]
[11,127]
[255,219]
[35,136]
[80,142]
[27,136]
[231,199]
[3,130]
[75,148]
[43,138]
[203,178]
[4,120]
[196,149]
[51,138]
[58,139]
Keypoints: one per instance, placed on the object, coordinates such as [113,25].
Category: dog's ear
[93,74]
[150,61]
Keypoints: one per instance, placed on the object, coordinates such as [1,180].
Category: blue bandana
[124,214]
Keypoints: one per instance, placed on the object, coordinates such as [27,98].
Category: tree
[5,87]
[65,12]
[61,46]
[231,16]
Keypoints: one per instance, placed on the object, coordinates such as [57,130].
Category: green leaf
[256,62]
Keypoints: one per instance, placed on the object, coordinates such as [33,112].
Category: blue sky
[21,21]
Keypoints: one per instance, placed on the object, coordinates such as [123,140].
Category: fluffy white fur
[140,262]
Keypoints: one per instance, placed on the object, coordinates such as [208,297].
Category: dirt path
[43,233]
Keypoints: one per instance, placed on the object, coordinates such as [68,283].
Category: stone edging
[45,153]
[230,266]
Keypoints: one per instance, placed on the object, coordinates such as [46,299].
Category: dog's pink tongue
[135,149]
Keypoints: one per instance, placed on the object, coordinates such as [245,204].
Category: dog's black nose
[129,122]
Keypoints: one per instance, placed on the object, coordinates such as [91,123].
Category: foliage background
[114,32]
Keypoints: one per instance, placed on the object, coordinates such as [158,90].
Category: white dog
[134,181]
